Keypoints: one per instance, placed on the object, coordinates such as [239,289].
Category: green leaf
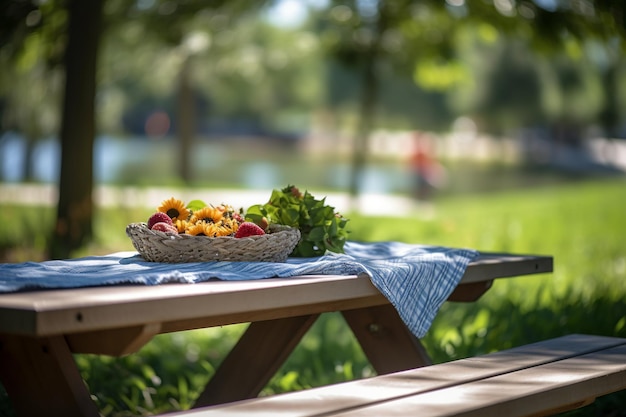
[289,381]
[196,205]
[317,234]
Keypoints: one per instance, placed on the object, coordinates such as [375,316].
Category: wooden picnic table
[40,330]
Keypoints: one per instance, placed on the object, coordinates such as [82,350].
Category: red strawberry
[166,228]
[248,229]
[159,217]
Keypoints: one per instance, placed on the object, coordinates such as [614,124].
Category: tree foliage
[426,39]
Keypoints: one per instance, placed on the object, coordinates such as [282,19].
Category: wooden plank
[114,342]
[538,391]
[502,265]
[471,291]
[385,340]
[362,393]
[255,359]
[41,378]
[179,306]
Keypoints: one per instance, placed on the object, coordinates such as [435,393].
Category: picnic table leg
[42,379]
[470,292]
[255,359]
[385,339]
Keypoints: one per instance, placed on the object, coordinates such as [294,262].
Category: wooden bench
[534,380]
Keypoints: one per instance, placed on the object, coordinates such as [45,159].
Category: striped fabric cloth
[416,279]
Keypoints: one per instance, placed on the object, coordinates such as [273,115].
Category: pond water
[140,159]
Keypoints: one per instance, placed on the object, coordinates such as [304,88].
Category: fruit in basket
[165,227]
[159,217]
[320,227]
[248,229]
[263,223]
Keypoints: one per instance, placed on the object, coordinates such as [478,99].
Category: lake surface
[144,160]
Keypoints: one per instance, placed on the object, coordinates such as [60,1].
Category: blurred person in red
[428,173]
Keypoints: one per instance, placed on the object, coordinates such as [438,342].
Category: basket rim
[142,227]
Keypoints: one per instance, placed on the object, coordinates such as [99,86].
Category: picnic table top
[185,306]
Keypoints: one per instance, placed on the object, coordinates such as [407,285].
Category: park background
[520,105]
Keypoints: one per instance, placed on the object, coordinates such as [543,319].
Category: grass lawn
[581,224]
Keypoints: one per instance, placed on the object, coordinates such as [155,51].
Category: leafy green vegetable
[321,228]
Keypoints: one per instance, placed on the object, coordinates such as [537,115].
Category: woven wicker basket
[156,246]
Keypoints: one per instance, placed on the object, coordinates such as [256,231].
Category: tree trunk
[609,116]
[186,122]
[29,151]
[369,99]
[75,206]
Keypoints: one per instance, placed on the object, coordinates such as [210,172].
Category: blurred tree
[30,53]
[562,74]
[513,87]
[190,44]
[59,35]
[35,114]
[423,37]
[252,76]
[76,37]
[74,219]
[176,17]
[353,32]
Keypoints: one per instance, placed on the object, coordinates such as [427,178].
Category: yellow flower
[175,209]
[219,229]
[196,229]
[207,215]
[181,225]
[231,224]
[213,229]
[208,229]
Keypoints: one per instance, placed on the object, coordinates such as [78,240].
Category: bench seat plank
[540,390]
[402,392]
